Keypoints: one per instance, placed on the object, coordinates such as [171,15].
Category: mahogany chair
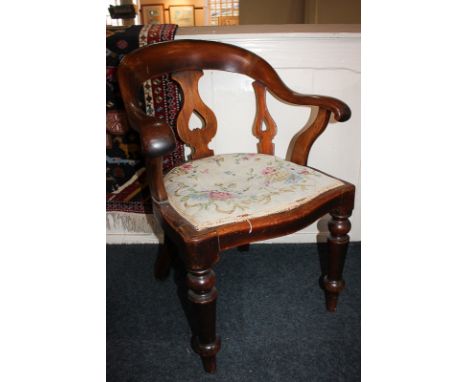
[216,202]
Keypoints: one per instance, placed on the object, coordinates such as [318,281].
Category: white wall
[326,63]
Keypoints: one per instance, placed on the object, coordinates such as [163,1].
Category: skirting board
[132,228]
[132,238]
[127,228]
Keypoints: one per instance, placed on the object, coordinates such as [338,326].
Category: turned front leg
[338,240]
[202,293]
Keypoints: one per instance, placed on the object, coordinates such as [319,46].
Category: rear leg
[167,252]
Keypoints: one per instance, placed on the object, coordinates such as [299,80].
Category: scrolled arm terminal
[157,138]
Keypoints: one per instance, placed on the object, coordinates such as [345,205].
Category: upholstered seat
[233,187]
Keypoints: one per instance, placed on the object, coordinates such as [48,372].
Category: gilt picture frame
[182,15]
[152,14]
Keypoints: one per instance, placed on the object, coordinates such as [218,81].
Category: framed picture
[182,15]
[152,13]
[228,20]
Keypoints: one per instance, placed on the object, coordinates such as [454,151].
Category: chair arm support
[301,143]
[157,138]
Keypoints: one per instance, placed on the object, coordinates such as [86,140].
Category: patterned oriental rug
[128,201]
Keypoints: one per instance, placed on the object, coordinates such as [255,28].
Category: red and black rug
[127,192]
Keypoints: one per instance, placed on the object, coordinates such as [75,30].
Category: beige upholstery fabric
[234,187]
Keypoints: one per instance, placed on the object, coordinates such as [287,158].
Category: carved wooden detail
[265,136]
[201,286]
[299,147]
[199,138]
[338,241]
[202,293]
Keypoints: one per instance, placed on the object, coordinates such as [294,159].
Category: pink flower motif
[268,170]
[248,156]
[220,195]
[304,172]
[187,166]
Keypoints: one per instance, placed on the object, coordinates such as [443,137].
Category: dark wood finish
[202,293]
[163,262]
[199,249]
[154,167]
[157,138]
[301,143]
[184,55]
[338,241]
[263,119]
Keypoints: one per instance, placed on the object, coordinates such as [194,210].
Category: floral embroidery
[220,195]
[232,187]
[268,170]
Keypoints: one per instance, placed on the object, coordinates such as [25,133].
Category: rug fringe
[128,222]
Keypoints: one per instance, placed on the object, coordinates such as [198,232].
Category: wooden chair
[217,202]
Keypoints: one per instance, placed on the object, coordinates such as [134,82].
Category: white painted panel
[298,50]
[234,106]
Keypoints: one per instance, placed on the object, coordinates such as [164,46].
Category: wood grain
[263,118]
[301,143]
[199,138]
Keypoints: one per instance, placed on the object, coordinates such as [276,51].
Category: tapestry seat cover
[229,188]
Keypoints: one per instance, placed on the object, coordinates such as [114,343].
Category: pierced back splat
[199,138]
[266,134]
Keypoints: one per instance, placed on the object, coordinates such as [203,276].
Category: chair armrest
[157,138]
[340,110]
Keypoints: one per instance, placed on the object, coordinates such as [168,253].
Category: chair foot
[202,293]
[207,353]
[209,364]
[331,297]
[338,240]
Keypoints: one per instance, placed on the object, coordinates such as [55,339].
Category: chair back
[185,61]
